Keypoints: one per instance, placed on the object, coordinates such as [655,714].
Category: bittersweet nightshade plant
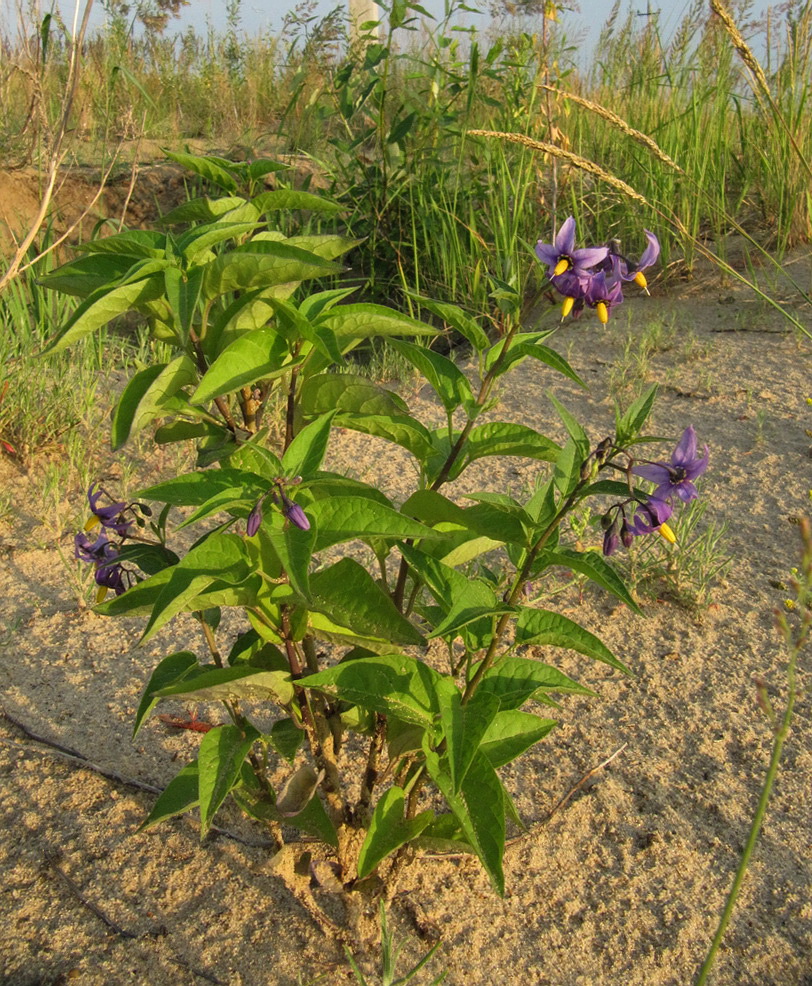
[326,647]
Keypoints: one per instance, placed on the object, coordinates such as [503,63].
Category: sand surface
[622,886]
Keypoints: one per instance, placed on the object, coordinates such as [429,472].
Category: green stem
[758,819]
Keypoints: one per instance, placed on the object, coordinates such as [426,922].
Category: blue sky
[260,15]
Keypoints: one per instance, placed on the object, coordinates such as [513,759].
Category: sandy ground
[622,886]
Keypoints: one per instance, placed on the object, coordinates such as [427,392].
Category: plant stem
[795,643]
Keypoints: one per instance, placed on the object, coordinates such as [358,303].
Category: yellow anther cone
[665,531]
[566,308]
[562,265]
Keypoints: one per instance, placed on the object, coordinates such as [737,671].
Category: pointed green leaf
[170,670]
[511,733]
[596,567]
[402,429]
[479,808]
[221,558]
[446,379]
[206,167]
[348,392]
[222,752]
[365,321]
[289,198]
[467,327]
[343,518]
[389,830]
[540,626]
[234,684]
[277,263]
[262,354]
[464,727]
[514,680]
[392,684]
[305,454]
[346,592]
[181,794]
[145,395]
[102,306]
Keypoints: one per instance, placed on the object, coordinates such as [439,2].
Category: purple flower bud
[294,513]
[254,520]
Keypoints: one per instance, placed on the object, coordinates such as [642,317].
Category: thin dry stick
[574,159]
[57,153]
[51,860]
[571,793]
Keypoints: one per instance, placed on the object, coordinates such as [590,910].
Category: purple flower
[111,517]
[634,272]
[603,292]
[649,516]
[104,555]
[562,257]
[676,477]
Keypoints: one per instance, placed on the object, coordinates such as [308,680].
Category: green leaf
[145,395]
[205,167]
[573,426]
[389,830]
[628,425]
[506,438]
[195,488]
[132,243]
[348,392]
[596,567]
[102,306]
[458,599]
[446,379]
[304,455]
[180,795]
[464,727]
[288,198]
[222,752]
[540,626]
[343,518]
[392,684]
[364,321]
[294,549]
[514,680]
[170,670]
[233,684]
[457,319]
[277,263]
[401,429]
[222,559]
[347,593]
[511,733]
[521,350]
[262,354]
[479,808]
[83,276]
[286,738]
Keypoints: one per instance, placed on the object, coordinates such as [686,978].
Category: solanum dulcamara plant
[370,707]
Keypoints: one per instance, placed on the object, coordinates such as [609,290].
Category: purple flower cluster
[115,518]
[673,479]
[592,277]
